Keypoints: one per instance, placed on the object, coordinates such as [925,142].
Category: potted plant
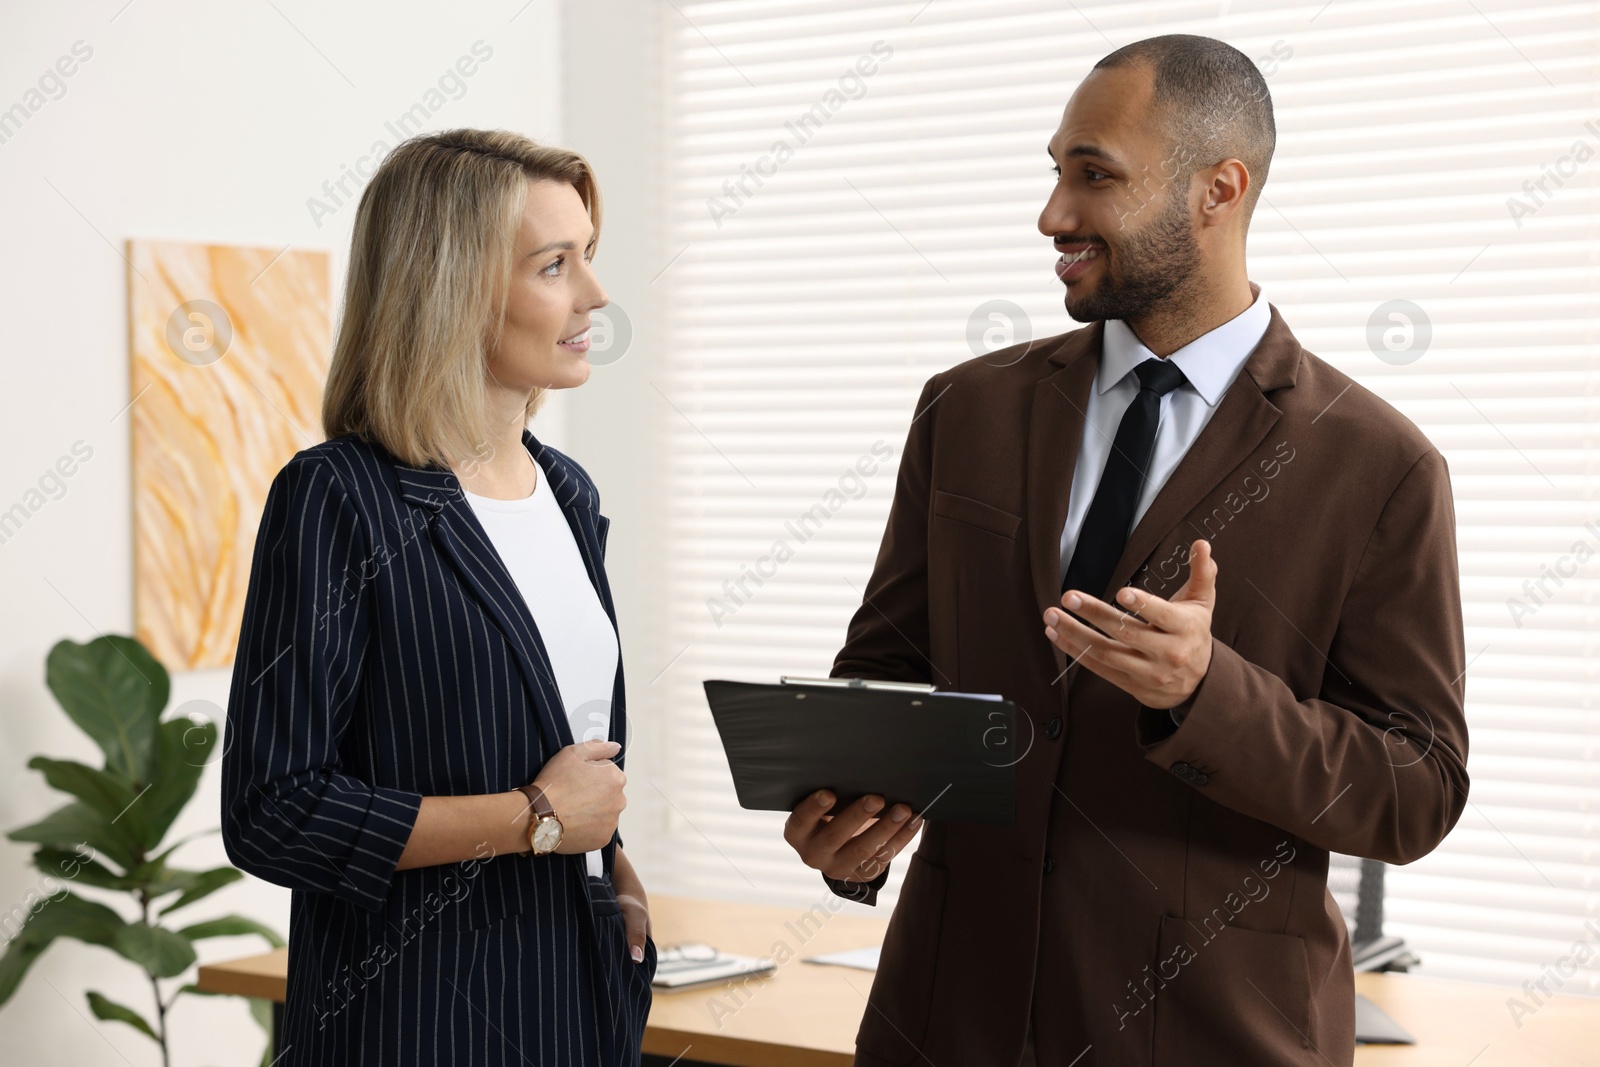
[110,835]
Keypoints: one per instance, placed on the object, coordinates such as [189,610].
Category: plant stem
[155,987]
[161,1021]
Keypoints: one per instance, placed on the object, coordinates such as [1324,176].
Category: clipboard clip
[858,683]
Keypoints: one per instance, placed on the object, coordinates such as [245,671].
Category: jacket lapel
[1055,433]
[1242,420]
[461,539]
[1060,403]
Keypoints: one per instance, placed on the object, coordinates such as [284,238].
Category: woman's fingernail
[900,814]
[638,954]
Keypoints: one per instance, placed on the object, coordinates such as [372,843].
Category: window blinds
[852,195]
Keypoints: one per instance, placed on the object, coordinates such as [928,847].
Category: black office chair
[1357,886]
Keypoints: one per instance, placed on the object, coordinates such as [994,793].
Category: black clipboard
[949,756]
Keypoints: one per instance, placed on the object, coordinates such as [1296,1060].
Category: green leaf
[155,877]
[201,884]
[261,1009]
[114,690]
[160,857]
[156,949]
[111,1011]
[73,866]
[231,926]
[69,915]
[183,748]
[78,823]
[53,917]
[103,791]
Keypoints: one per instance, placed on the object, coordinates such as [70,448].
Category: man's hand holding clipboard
[854,844]
[858,764]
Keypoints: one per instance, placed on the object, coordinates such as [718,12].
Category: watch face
[546,835]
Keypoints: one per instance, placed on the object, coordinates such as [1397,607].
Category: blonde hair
[424,302]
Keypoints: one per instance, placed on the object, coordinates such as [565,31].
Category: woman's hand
[635,906]
[585,789]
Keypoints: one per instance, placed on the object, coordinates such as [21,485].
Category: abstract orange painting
[229,349]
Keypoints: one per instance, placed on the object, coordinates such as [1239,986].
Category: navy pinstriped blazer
[386,654]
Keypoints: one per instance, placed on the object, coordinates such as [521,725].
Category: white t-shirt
[538,548]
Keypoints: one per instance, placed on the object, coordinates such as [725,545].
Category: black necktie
[1107,525]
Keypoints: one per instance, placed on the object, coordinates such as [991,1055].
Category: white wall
[201,122]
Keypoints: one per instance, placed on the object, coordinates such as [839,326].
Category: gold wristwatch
[544,833]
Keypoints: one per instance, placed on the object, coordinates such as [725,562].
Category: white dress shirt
[1210,363]
[538,548]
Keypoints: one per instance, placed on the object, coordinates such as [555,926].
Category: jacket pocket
[898,1008]
[975,513]
[1230,995]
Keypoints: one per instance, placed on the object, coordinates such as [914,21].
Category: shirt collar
[1210,362]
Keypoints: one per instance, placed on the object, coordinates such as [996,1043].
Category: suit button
[1049,863]
[1052,729]
[1190,774]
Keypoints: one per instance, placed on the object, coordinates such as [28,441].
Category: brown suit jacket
[1162,897]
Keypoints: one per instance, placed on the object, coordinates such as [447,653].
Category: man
[1281,678]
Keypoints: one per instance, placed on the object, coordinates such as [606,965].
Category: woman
[427,712]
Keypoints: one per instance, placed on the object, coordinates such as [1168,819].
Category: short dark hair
[1212,101]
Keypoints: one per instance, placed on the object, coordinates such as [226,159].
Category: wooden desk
[1454,1022]
[806,1015]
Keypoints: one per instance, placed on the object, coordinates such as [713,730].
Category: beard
[1148,270]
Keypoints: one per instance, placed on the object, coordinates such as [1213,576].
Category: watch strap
[536,797]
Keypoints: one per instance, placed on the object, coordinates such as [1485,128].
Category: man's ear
[1223,194]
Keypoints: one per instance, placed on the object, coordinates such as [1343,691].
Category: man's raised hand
[1154,649]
